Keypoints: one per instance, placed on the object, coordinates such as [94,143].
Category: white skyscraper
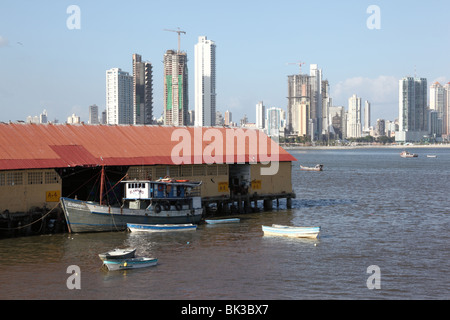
[354,117]
[260,115]
[366,116]
[205,82]
[119,97]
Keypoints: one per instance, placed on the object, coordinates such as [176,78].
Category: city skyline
[65,68]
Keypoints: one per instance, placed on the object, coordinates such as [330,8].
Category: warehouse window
[2,179]
[14,178]
[51,177]
[35,178]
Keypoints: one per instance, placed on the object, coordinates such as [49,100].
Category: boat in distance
[133,263]
[317,167]
[406,154]
[161,227]
[118,254]
[431,156]
[222,221]
[291,231]
[164,201]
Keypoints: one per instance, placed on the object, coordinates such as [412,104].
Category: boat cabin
[146,190]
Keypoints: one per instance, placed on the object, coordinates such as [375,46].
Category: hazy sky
[46,65]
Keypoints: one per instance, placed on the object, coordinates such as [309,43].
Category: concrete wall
[280,182]
[21,190]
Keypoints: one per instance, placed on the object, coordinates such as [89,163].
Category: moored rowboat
[291,231]
[219,221]
[133,263]
[118,254]
[133,227]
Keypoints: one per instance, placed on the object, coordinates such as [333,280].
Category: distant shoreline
[437,146]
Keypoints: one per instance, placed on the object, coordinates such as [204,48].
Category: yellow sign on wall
[256,184]
[223,186]
[52,196]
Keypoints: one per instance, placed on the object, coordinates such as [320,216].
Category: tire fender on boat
[166,206]
[157,208]
[178,206]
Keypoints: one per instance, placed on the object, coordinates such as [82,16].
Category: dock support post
[289,203]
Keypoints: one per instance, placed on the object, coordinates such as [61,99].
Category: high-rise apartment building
[412,109]
[119,97]
[93,114]
[299,103]
[228,118]
[446,115]
[205,82]
[142,91]
[260,115]
[366,116]
[316,99]
[354,117]
[274,121]
[176,101]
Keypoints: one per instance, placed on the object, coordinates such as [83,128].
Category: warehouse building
[39,163]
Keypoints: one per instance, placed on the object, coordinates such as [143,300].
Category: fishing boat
[133,263]
[118,254]
[317,167]
[133,227]
[291,231]
[406,154]
[220,221]
[164,201]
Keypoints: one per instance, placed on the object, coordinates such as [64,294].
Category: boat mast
[102,178]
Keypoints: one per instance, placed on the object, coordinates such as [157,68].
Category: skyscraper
[93,114]
[176,101]
[354,117]
[412,109]
[316,99]
[119,97]
[446,116]
[205,82]
[142,91]
[299,94]
[228,118]
[366,116]
[260,115]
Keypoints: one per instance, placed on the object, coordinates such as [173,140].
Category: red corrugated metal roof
[25,146]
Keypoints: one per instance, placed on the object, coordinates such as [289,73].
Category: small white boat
[133,263]
[431,156]
[291,231]
[220,221]
[118,254]
[317,167]
[406,154]
[133,227]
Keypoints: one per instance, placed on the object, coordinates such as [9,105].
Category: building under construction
[39,163]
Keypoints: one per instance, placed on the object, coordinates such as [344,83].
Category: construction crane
[179,32]
[299,64]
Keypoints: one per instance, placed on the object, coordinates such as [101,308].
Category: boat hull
[293,232]
[221,221]
[161,227]
[135,263]
[82,216]
[118,254]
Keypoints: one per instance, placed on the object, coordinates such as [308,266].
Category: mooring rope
[29,224]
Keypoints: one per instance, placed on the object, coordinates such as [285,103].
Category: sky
[44,64]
